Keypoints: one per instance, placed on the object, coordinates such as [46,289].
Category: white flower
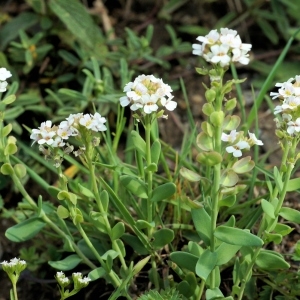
[222,48]
[254,140]
[84,280]
[3,85]
[231,137]
[148,94]
[168,103]
[220,55]
[291,103]
[240,56]
[293,126]
[4,74]
[198,49]
[236,149]
[124,101]
[150,103]
[60,274]
[98,123]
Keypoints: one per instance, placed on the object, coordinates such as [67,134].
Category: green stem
[114,278]
[216,182]
[14,284]
[102,210]
[289,152]
[149,202]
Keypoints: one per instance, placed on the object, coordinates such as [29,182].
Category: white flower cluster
[4,74]
[289,95]
[79,280]
[148,93]
[14,266]
[13,262]
[62,279]
[239,142]
[222,48]
[56,136]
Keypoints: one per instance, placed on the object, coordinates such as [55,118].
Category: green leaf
[163,191]
[13,113]
[140,265]
[117,231]
[10,149]
[151,168]
[86,250]
[135,244]
[67,263]
[227,201]
[229,178]
[206,263]
[272,237]
[189,175]
[243,165]
[293,185]
[290,214]
[7,169]
[76,18]
[202,223]
[8,100]
[10,30]
[209,158]
[236,236]
[20,170]
[85,191]
[162,237]
[268,208]
[96,273]
[271,260]
[6,130]
[138,142]
[231,122]
[184,260]
[205,142]
[25,230]
[155,151]
[278,179]
[62,212]
[226,252]
[135,186]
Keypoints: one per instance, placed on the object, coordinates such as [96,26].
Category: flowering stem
[101,208]
[288,152]
[114,278]
[149,202]
[216,181]
[149,173]
[14,284]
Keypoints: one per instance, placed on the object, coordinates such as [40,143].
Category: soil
[137,15]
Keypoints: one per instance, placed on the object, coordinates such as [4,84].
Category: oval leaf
[96,273]
[236,236]
[270,260]
[162,237]
[205,142]
[268,208]
[290,214]
[25,230]
[67,263]
[163,191]
[243,165]
[184,260]
[210,158]
[206,263]
[135,186]
[189,175]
